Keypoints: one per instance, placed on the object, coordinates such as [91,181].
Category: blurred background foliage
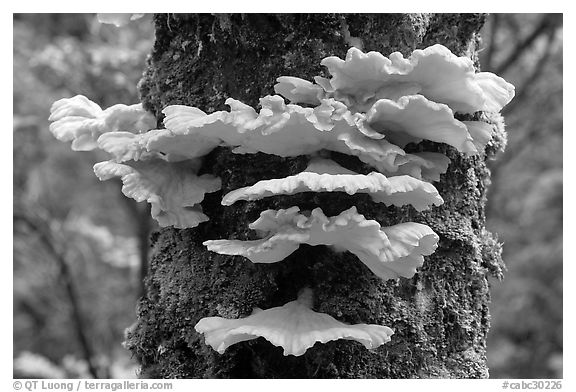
[80,246]
[525,199]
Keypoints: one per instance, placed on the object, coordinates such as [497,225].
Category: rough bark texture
[440,316]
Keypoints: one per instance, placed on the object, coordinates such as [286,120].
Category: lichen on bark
[440,316]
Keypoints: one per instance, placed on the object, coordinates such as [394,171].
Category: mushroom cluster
[371,108]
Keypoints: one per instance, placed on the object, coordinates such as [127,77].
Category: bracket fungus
[389,252]
[370,108]
[126,146]
[290,130]
[323,175]
[294,326]
[82,121]
[413,118]
[298,90]
[278,129]
[434,72]
[172,189]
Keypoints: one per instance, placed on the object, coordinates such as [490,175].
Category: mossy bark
[440,316]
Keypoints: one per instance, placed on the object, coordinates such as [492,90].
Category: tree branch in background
[512,23]
[44,234]
[140,215]
[535,134]
[537,71]
[494,25]
[549,21]
[536,131]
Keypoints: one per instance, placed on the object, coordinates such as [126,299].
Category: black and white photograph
[287,196]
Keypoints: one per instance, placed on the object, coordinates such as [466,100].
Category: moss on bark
[440,316]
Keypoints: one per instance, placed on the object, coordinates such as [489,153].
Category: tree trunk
[440,316]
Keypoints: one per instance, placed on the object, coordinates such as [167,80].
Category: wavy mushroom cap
[294,326]
[390,252]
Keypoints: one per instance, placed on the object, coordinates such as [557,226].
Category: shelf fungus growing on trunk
[323,175]
[413,118]
[434,72]
[371,109]
[172,189]
[294,326]
[82,121]
[292,130]
[389,252]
